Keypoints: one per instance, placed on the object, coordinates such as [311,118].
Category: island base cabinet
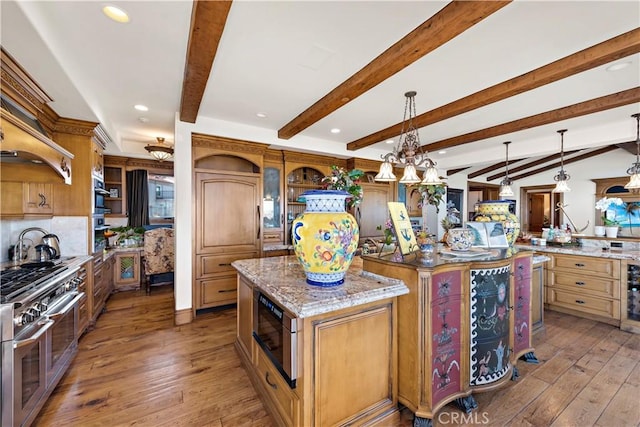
[280,397]
[352,363]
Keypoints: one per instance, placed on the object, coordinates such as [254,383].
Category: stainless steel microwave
[275,331]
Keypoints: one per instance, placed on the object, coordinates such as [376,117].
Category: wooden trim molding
[310,159]
[75,127]
[183,316]
[20,86]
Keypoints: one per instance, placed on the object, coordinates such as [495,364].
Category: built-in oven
[99,194]
[62,337]
[275,331]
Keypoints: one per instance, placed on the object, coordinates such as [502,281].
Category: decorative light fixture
[505,184]
[634,170]
[160,151]
[408,152]
[562,177]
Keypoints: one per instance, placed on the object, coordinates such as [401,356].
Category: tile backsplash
[71,230]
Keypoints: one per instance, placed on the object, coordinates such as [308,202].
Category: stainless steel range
[39,334]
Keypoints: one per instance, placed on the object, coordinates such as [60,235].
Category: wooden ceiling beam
[610,50]
[490,168]
[208,19]
[532,164]
[595,105]
[452,20]
[584,156]
[455,171]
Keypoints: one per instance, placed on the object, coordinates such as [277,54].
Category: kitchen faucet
[21,238]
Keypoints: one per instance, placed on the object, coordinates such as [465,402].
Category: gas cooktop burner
[14,282]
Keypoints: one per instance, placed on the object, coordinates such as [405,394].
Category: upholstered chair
[159,257]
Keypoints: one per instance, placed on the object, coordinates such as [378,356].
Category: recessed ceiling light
[116,14]
[141,107]
[442,152]
[335,130]
[389,141]
[143,119]
[261,115]
[619,66]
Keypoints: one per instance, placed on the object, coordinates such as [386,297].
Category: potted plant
[349,181]
[609,221]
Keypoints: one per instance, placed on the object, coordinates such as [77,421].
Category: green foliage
[340,179]
[430,194]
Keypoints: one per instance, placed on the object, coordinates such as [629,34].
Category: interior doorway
[538,208]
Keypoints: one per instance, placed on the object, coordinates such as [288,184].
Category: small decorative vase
[325,237]
[460,239]
[612,231]
[599,230]
[498,211]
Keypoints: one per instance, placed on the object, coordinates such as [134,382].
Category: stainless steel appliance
[275,331]
[39,334]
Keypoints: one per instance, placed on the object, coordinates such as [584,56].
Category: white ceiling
[280,57]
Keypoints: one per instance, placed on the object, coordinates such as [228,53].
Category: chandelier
[408,152]
[160,151]
[562,177]
[505,184]
[634,170]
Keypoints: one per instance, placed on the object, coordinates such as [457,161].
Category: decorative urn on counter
[325,237]
[498,211]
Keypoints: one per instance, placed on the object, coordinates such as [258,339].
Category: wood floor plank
[623,408]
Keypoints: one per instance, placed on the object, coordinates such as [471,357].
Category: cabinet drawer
[584,283]
[272,237]
[277,388]
[211,264]
[218,291]
[584,303]
[586,265]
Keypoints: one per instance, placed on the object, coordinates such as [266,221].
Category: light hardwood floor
[136,368]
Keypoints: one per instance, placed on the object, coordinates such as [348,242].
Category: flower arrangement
[340,179]
[388,231]
[603,205]
[430,194]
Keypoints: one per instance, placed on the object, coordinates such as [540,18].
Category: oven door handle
[47,324]
[67,307]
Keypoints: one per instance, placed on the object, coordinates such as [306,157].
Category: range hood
[23,140]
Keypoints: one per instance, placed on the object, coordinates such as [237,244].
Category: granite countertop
[283,280]
[595,251]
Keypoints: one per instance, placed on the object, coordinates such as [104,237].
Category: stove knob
[43,306]
[24,318]
[34,311]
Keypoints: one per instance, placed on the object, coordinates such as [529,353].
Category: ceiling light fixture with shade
[634,170]
[408,153]
[160,151]
[505,184]
[562,177]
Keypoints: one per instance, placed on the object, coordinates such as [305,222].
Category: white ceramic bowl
[460,239]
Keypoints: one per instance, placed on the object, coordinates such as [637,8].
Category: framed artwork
[113,192]
[488,234]
[402,225]
[454,206]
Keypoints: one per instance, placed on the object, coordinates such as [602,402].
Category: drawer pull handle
[580,283]
[579,264]
[579,301]
[224,264]
[226,290]
[273,385]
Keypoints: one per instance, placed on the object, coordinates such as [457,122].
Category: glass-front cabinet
[272,216]
[298,181]
[630,297]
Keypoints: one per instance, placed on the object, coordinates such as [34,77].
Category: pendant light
[562,177]
[634,170]
[408,152]
[505,184]
[160,151]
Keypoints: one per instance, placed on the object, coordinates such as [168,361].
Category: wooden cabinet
[83,306]
[340,380]
[97,161]
[99,285]
[538,286]
[584,286]
[126,271]
[26,199]
[456,330]
[114,179]
[300,180]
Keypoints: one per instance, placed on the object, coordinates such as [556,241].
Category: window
[161,188]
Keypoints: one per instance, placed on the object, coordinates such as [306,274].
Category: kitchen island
[319,356]
[463,325]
